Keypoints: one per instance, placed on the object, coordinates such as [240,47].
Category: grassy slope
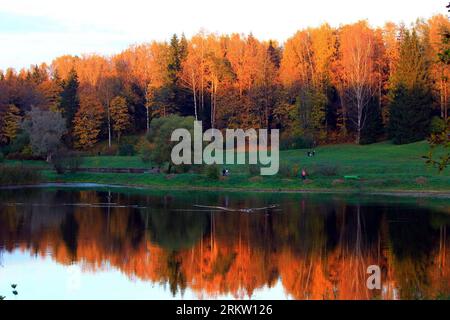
[381,166]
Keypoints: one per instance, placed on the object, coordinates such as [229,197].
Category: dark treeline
[330,85]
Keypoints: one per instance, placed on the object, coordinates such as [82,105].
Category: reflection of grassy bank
[14,175]
[381,167]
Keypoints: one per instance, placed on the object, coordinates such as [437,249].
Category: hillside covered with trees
[331,85]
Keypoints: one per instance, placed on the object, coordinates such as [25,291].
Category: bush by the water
[254,169]
[65,161]
[13,175]
[213,172]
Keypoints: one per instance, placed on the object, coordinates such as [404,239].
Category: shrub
[256,179]
[146,154]
[66,161]
[126,150]
[13,175]
[296,142]
[25,154]
[197,168]
[337,182]
[133,140]
[437,125]
[213,172]
[19,143]
[2,157]
[112,151]
[182,168]
[295,170]
[421,180]
[159,136]
[285,171]
[254,169]
[326,169]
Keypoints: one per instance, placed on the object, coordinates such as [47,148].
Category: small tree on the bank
[45,129]
[119,115]
[159,137]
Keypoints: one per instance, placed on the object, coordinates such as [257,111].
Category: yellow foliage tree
[119,115]
[10,124]
[87,121]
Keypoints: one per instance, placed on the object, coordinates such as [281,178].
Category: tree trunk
[445,100]
[148,119]
[194,91]
[109,128]
[442,98]
[147,107]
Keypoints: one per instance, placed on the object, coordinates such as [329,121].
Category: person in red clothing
[304,174]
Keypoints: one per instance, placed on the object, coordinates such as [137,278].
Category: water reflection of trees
[318,249]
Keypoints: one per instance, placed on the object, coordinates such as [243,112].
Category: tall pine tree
[176,99]
[411,97]
[374,129]
[69,98]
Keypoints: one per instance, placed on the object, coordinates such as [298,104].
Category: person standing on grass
[304,174]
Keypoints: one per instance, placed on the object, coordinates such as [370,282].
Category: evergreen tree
[374,129]
[176,99]
[69,98]
[411,97]
[174,65]
[410,113]
[274,54]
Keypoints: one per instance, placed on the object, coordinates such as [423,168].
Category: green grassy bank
[380,167]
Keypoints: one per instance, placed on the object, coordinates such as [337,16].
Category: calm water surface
[109,243]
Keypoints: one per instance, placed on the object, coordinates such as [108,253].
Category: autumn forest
[354,83]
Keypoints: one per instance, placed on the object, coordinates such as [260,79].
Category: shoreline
[395,193]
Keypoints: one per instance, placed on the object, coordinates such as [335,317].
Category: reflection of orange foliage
[336,276]
[236,264]
[235,269]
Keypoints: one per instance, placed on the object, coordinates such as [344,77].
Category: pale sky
[34,31]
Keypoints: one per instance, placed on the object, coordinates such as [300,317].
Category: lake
[122,243]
